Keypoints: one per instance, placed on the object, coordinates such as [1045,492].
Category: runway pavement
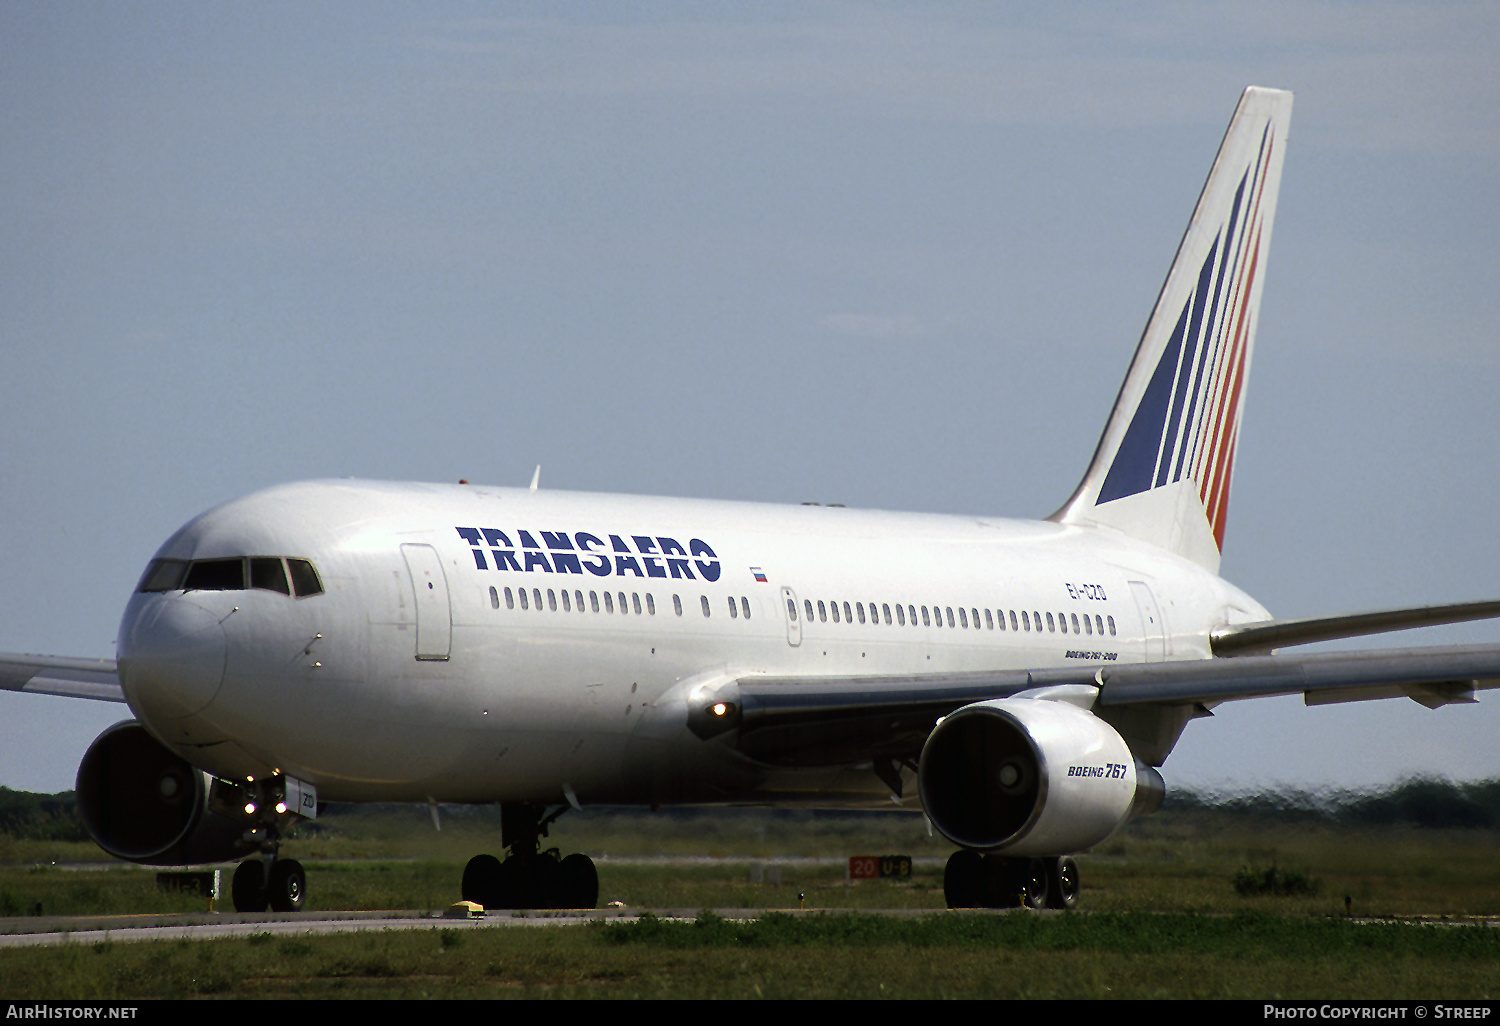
[208,925]
[46,930]
[52,930]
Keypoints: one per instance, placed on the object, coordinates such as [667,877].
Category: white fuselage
[421,673]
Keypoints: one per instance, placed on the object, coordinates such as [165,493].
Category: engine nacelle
[1031,776]
[142,802]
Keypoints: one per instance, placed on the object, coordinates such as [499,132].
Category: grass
[1163,919]
[1009,955]
[1178,862]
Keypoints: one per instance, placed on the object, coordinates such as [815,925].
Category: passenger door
[434,613]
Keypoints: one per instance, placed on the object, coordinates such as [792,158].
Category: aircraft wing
[56,675]
[787,721]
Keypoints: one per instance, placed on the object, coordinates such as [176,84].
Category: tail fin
[1162,469]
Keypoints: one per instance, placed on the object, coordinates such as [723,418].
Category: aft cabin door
[1153,631]
[429,587]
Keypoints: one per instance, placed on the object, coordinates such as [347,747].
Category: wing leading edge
[96,679]
[803,721]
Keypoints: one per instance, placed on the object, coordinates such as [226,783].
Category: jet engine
[142,802]
[1031,777]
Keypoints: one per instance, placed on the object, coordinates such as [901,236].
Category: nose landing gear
[269,881]
[530,878]
[280,884]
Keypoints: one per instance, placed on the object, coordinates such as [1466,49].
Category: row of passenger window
[964,619]
[606,602]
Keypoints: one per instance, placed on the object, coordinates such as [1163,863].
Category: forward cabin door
[434,614]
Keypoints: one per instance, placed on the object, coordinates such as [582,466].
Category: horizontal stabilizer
[1251,638]
[1431,676]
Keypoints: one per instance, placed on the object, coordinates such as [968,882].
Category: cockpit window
[265,573]
[164,575]
[216,575]
[304,578]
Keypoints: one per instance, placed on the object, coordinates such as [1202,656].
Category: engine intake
[142,802]
[1030,776]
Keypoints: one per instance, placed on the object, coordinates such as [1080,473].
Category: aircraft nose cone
[172,654]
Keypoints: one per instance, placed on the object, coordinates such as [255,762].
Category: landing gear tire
[963,880]
[1063,884]
[287,886]
[1013,882]
[482,881]
[1030,876]
[578,882]
[248,887]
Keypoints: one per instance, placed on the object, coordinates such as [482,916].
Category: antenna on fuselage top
[536,477]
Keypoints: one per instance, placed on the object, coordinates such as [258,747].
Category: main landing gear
[529,877]
[972,880]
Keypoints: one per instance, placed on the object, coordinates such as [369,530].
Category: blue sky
[891,255]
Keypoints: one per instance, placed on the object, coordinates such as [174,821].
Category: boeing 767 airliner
[1022,680]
